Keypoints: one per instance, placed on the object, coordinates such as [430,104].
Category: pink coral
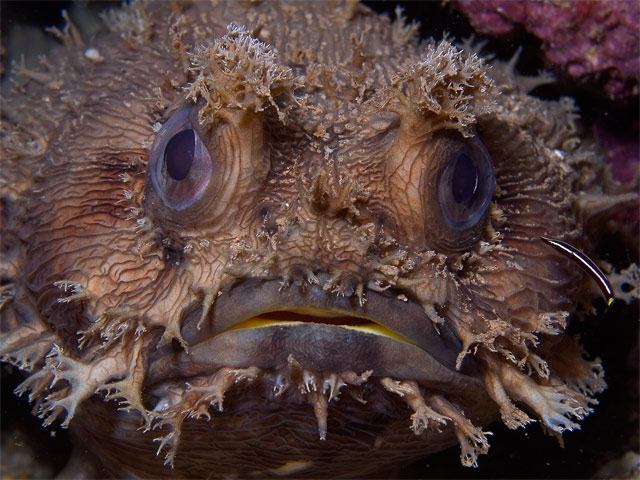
[587,38]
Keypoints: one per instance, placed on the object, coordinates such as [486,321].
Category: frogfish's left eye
[180,165]
[465,185]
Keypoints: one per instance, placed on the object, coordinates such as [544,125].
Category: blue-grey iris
[464,181]
[180,165]
[465,185]
[178,154]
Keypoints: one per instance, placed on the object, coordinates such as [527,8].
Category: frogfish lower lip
[319,348]
[260,323]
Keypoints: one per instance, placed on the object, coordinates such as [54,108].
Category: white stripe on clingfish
[586,264]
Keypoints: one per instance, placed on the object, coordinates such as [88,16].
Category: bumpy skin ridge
[324,125]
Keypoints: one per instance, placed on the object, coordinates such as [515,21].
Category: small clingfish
[587,265]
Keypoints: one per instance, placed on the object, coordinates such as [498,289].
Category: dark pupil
[464,182]
[178,154]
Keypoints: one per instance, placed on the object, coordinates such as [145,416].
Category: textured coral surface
[588,39]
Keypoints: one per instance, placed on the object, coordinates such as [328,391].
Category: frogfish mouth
[268,239]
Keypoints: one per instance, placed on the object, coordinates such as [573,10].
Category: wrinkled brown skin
[324,195]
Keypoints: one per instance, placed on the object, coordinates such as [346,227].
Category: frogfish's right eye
[180,165]
[178,154]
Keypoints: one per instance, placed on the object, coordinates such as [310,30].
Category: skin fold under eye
[466,184]
[180,165]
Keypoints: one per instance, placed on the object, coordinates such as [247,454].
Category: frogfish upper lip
[413,332]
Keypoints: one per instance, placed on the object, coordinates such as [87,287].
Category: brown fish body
[289,241]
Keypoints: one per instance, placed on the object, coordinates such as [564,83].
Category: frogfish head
[311,246]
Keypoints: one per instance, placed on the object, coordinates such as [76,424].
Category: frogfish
[249,239]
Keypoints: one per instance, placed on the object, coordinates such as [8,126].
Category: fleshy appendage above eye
[180,165]
[466,184]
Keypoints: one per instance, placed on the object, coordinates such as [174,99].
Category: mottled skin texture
[329,129]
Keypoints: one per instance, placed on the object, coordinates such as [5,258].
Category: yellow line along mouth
[288,318]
